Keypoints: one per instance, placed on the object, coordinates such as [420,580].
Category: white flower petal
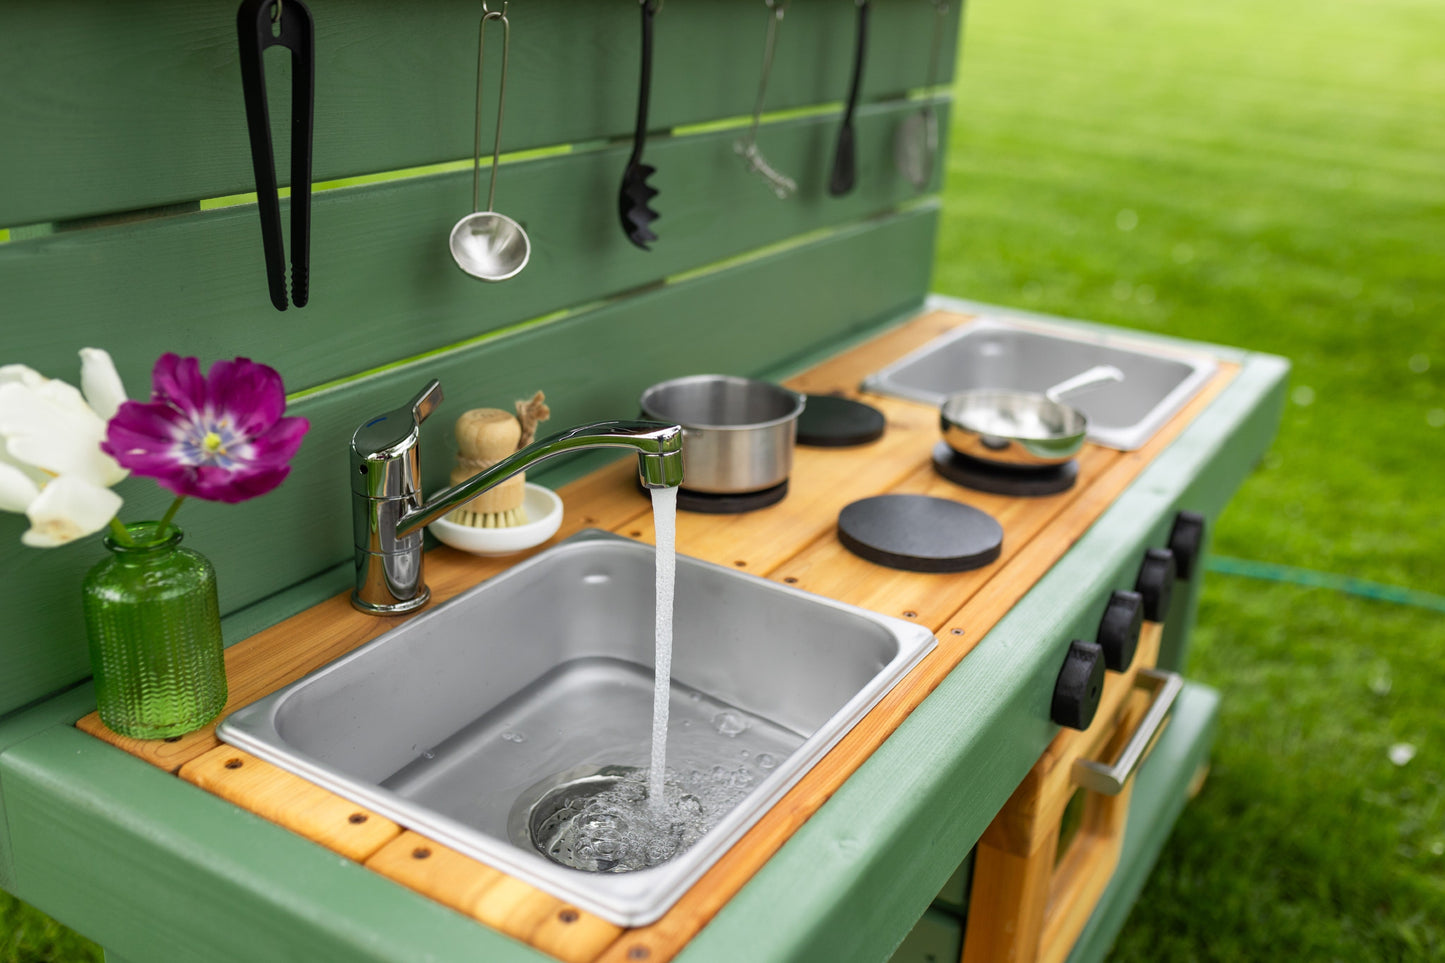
[36,476]
[20,374]
[17,490]
[100,383]
[41,427]
[69,508]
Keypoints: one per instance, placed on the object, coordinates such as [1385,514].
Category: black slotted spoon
[635,197]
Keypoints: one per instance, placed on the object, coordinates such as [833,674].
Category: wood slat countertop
[792,541]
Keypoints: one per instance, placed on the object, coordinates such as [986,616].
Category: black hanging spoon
[840,182]
[285,23]
[634,199]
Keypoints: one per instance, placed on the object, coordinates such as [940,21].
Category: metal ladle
[485,244]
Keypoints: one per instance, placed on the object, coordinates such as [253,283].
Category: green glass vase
[155,636]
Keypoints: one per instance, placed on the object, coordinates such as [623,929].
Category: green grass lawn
[1269,174]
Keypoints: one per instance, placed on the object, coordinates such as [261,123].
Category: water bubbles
[511,735]
[1419,363]
[1304,396]
[729,723]
[766,760]
[1126,220]
[614,826]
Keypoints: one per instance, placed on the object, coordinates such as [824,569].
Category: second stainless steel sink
[458,721]
[1018,356]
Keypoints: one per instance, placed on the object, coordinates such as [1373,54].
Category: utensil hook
[489,15]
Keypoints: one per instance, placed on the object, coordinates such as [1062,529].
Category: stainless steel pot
[1020,429]
[737,433]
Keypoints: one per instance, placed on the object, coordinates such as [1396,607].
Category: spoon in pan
[485,244]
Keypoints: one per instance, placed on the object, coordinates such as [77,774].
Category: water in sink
[623,818]
[456,722]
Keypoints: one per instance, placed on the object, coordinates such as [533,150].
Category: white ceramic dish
[544,517]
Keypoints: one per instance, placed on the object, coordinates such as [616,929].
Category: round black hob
[709,503]
[981,476]
[920,533]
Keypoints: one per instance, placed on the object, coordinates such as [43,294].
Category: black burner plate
[1000,480]
[829,421]
[920,533]
[709,503]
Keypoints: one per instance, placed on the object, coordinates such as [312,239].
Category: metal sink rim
[1127,438]
[630,899]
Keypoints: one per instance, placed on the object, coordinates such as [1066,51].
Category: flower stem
[166,519]
[119,532]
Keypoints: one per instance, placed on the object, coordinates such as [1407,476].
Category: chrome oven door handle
[1111,779]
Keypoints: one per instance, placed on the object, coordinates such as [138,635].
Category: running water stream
[628,818]
[664,520]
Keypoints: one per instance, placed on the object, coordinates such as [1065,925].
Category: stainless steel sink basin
[1030,357]
[455,723]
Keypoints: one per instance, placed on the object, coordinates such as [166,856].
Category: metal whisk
[782,185]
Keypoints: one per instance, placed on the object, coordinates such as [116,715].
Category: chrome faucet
[388,512]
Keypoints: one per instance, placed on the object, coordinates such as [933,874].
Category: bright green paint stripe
[937,94]
[407,173]
[797,241]
[527,325]
[1270,572]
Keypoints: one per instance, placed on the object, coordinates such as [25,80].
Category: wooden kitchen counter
[793,542]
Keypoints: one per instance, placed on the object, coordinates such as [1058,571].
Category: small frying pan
[1021,429]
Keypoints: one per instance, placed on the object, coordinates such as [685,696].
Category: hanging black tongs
[286,23]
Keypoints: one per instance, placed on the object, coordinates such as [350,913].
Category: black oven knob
[1185,541]
[1119,629]
[1079,686]
[1156,582]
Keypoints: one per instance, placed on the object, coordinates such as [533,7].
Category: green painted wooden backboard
[125,170]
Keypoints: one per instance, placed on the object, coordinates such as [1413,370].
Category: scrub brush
[484,437]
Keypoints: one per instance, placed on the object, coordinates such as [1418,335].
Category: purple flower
[220,437]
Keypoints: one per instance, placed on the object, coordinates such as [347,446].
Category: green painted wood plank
[383,284]
[159,870]
[20,725]
[1160,795]
[113,106]
[857,875]
[935,938]
[593,366]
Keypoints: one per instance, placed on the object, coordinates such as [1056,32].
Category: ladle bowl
[490,246]
[487,245]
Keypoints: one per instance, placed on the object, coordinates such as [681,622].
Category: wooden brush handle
[484,437]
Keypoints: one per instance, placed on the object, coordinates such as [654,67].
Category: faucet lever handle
[427,401]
